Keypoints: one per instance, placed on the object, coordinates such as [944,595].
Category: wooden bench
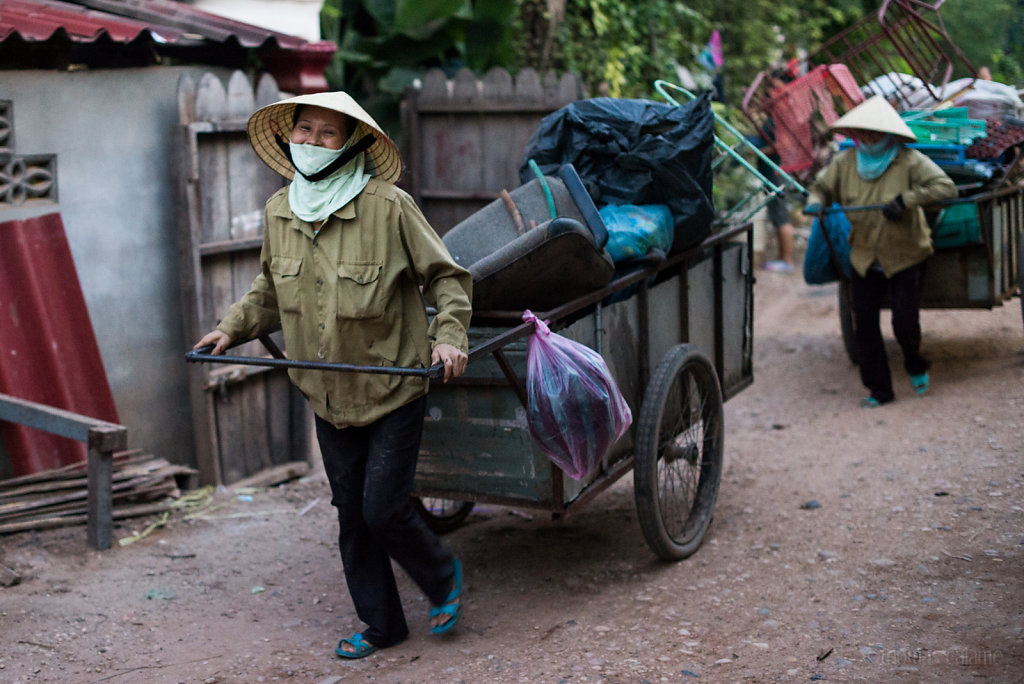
[102,439]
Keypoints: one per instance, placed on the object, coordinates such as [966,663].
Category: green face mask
[873,160]
[316,200]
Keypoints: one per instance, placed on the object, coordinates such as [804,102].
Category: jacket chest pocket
[360,289]
[285,271]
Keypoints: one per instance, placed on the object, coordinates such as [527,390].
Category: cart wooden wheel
[846,320]
[442,515]
[678,455]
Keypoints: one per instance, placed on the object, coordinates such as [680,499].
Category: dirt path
[848,545]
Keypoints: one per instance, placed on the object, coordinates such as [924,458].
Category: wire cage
[758,181]
[900,49]
[795,116]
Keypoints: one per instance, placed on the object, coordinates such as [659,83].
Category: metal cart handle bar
[203,355]
[867,207]
[879,207]
[493,345]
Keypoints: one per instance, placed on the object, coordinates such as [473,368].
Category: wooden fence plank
[246,422]
[218,272]
[467,137]
[185,160]
[246,222]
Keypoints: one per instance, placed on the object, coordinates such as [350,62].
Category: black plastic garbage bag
[635,152]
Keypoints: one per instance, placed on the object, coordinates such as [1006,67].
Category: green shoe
[920,383]
[452,606]
[362,647]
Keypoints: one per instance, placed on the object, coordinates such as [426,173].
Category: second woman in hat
[888,247]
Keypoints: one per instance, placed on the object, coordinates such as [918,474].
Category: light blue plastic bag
[634,230]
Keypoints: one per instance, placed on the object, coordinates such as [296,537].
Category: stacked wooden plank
[142,485]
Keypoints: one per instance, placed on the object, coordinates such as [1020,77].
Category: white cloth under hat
[316,200]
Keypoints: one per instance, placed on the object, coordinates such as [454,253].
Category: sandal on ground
[920,382]
[870,402]
[362,647]
[778,266]
[452,605]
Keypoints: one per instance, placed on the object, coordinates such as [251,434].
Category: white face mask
[311,158]
[316,200]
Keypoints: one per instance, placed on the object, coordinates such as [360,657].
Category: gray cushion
[492,227]
[550,262]
[547,266]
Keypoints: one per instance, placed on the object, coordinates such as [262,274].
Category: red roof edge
[295,63]
[300,71]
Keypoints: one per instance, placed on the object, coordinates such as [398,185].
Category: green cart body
[697,304]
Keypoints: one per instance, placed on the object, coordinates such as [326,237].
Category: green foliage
[618,47]
[989,31]
[622,48]
[384,44]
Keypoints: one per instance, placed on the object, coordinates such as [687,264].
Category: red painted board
[48,350]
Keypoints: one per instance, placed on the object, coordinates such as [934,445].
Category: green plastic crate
[954,130]
[951,113]
[957,225]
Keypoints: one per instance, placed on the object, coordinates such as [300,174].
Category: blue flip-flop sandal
[450,607]
[920,383]
[362,646]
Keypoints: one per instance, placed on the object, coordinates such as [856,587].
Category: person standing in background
[777,207]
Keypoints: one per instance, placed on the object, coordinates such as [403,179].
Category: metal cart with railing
[678,338]
[982,270]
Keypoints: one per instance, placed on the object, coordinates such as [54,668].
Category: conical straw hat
[874,114]
[383,157]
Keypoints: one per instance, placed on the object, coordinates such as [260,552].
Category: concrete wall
[112,134]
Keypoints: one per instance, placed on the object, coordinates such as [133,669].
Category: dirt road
[848,545]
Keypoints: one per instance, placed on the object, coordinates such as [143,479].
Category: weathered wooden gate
[245,418]
[464,138]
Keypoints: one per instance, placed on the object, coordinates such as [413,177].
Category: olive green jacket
[895,245]
[351,293]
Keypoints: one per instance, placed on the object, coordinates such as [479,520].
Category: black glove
[894,209]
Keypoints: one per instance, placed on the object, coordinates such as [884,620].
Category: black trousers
[371,470]
[905,301]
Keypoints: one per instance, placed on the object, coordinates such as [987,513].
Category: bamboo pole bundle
[142,485]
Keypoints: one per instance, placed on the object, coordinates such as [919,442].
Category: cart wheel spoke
[678,453]
[442,515]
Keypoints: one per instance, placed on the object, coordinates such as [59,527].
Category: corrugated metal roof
[43,19]
[173,27]
[123,21]
[48,349]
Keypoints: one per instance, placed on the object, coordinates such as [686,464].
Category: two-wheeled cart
[677,336]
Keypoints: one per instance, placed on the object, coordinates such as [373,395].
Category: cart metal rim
[679,452]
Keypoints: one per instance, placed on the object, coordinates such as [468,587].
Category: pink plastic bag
[575,410]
